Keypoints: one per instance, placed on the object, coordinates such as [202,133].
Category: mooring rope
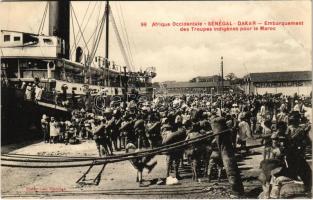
[58,161]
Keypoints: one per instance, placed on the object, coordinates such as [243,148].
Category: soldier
[76,124]
[298,106]
[117,124]
[282,115]
[279,141]
[226,150]
[139,127]
[62,128]
[84,123]
[127,130]
[194,154]
[101,139]
[206,128]
[114,129]
[254,112]
[169,137]
[234,110]
[153,130]
[235,130]
[69,132]
[89,127]
[109,123]
[297,140]
[215,160]
[45,128]
[266,135]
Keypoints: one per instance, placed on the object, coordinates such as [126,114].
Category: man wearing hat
[115,128]
[89,127]
[69,132]
[297,139]
[282,115]
[234,110]
[110,126]
[195,151]
[279,141]
[153,129]
[139,127]
[109,122]
[127,130]
[298,106]
[45,128]
[214,160]
[266,135]
[101,138]
[169,137]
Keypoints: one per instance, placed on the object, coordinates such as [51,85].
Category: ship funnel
[79,54]
[59,22]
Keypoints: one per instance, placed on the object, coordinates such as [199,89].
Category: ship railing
[57,99]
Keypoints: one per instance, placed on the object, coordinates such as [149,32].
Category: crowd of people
[279,122]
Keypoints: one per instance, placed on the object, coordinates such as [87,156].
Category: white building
[287,83]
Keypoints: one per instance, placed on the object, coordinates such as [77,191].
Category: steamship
[44,61]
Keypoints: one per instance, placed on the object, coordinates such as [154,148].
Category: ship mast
[59,23]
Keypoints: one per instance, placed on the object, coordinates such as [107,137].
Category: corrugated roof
[280,76]
[195,84]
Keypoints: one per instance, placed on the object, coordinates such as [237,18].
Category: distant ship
[30,60]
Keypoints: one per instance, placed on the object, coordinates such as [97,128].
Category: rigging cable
[82,35]
[91,14]
[127,39]
[43,19]
[75,44]
[123,32]
[119,16]
[82,20]
[98,28]
[120,42]
[85,26]
[98,38]
[98,22]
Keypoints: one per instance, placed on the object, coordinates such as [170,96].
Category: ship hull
[21,119]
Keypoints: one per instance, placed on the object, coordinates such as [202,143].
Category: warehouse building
[287,83]
[173,87]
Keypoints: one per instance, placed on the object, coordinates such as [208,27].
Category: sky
[178,55]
